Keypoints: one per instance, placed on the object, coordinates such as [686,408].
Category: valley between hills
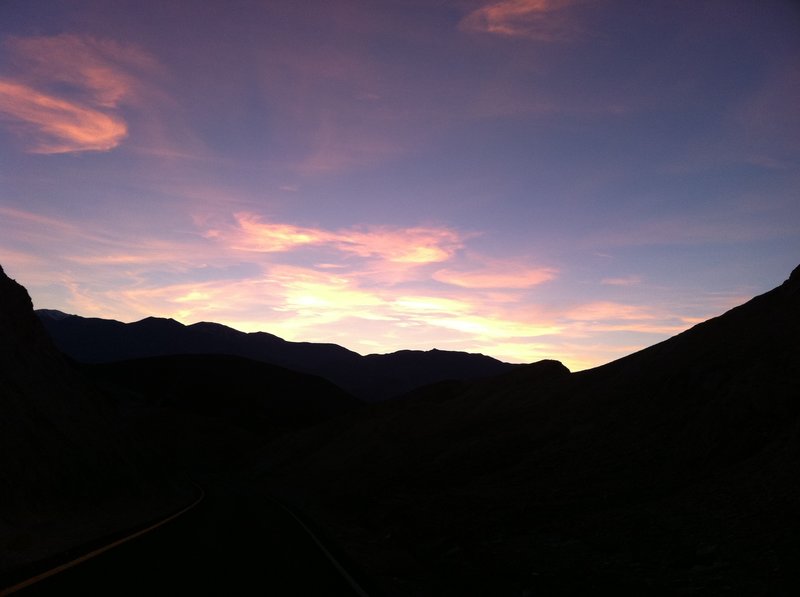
[672,471]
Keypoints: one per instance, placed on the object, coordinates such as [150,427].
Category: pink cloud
[606,316]
[496,277]
[67,92]
[664,329]
[101,72]
[253,234]
[411,246]
[541,20]
[13,260]
[604,310]
[415,245]
[57,125]
[30,218]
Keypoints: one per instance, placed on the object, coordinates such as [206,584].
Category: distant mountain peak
[211,325]
[160,321]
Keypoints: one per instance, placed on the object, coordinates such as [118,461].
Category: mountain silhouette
[89,451]
[670,471]
[370,378]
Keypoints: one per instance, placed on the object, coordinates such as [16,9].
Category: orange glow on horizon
[473,303]
[512,177]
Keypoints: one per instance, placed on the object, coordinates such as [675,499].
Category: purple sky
[569,179]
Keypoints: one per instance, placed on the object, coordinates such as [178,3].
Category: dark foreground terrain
[234,542]
[669,472]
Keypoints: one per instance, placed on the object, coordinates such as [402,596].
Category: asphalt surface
[231,543]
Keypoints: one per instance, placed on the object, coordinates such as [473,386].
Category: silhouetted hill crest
[794,277]
[51,313]
[373,377]
[210,327]
[159,323]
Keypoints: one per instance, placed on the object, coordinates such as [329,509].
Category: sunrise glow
[524,178]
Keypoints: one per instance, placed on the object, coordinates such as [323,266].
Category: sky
[528,179]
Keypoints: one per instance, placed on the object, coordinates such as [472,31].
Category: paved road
[232,543]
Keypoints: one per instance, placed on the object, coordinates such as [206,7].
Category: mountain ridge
[373,377]
[672,470]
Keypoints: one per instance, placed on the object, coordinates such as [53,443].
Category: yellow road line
[92,554]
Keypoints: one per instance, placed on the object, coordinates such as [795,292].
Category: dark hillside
[671,471]
[249,394]
[69,469]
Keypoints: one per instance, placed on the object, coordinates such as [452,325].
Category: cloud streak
[540,20]
[607,316]
[67,93]
[411,246]
[622,281]
[56,125]
[508,277]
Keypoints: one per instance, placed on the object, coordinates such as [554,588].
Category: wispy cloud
[416,245]
[66,92]
[605,311]
[607,316]
[330,98]
[502,276]
[253,234]
[622,281]
[334,146]
[100,71]
[540,20]
[24,217]
[744,220]
[412,246]
[58,126]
